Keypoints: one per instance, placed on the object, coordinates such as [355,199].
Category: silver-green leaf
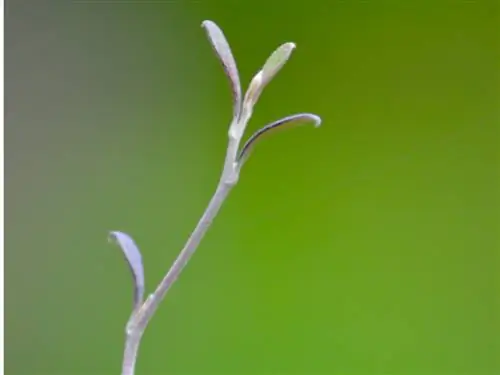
[270,68]
[276,61]
[134,260]
[223,52]
[282,124]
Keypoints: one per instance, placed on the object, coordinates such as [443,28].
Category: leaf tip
[112,236]
[207,23]
[290,46]
[316,120]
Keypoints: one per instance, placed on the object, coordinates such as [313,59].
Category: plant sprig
[143,310]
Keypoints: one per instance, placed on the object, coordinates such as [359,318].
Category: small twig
[242,111]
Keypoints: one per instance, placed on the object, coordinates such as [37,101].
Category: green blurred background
[368,246]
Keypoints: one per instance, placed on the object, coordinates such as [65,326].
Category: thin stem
[191,245]
[130,355]
[140,319]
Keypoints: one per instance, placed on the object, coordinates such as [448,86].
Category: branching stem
[139,320]
[242,111]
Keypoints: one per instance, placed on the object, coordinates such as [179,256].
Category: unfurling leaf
[223,52]
[271,67]
[134,260]
[284,123]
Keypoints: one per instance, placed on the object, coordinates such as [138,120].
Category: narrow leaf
[276,61]
[285,123]
[271,67]
[223,51]
[134,260]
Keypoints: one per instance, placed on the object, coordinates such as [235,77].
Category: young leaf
[134,260]
[271,67]
[276,61]
[284,123]
[223,52]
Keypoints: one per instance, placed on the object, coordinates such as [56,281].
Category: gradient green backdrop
[369,246]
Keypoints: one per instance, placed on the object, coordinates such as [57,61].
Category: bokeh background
[369,246]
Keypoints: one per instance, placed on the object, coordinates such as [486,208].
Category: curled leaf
[223,51]
[284,123]
[271,67]
[134,260]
